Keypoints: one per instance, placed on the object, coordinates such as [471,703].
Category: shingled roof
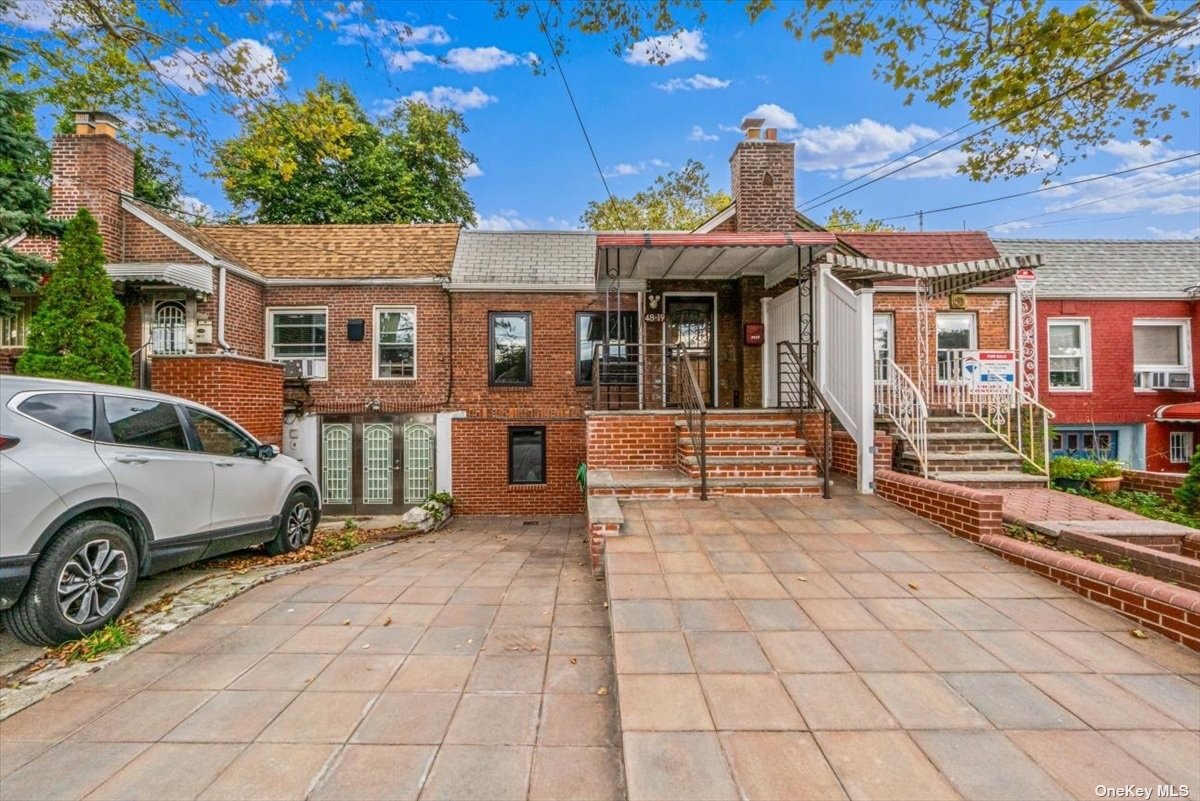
[340,251]
[921,248]
[565,259]
[1111,268]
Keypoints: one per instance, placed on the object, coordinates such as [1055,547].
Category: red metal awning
[1178,413]
[745,239]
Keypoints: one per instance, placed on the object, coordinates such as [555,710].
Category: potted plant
[1107,477]
[1070,472]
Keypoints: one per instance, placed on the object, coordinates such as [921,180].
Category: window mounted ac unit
[1163,379]
[303,368]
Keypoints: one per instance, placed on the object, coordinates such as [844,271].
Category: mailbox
[753,333]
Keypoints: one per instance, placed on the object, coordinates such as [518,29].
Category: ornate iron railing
[898,399]
[691,401]
[803,393]
[1018,419]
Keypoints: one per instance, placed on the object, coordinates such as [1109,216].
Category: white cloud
[245,67]
[1174,234]
[405,60]
[858,144]
[1134,153]
[483,59]
[511,220]
[775,116]
[682,46]
[625,168]
[504,220]
[284,3]
[391,32]
[340,12]
[1016,225]
[697,82]
[196,211]
[453,97]
[473,170]
[698,134]
[33,15]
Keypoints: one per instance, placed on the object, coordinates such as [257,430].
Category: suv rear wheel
[81,582]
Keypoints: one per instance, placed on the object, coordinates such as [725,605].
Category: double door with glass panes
[373,464]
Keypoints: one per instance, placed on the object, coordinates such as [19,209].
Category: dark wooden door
[690,324]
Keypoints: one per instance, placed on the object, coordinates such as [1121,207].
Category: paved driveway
[791,649]
[464,665]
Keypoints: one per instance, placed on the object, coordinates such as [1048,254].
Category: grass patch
[113,637]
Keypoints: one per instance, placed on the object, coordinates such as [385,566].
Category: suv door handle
[132,458]
[223,463]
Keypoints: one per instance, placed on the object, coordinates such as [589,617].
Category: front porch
[782,327]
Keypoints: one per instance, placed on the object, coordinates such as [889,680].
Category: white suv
[100,485]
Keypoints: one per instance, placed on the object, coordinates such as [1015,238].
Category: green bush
[1188,495]
[78,331]
[1073,468]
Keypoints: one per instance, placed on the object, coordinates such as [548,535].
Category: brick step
[958,443]
[1002,479]
[751,467]
[986,461]
[663,484]
[741,429]
[747,446]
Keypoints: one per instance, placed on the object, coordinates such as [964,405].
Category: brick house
[395,360]
[1117,353]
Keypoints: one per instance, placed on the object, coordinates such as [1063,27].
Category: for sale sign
[990,370]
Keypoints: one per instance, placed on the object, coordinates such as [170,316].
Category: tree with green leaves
[78,331]
[322,159]
[1044,82]
[24,199]
[842,218]
[678,200]
[1188,495]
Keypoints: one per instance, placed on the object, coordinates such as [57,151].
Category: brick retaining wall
[250,391]
[963,511]
[1161,484]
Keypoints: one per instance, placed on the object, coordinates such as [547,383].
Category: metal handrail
[694,410]
[1002,410]
[898,398]
[808,396]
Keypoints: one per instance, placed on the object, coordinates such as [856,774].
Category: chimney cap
[752,122]
[96,122]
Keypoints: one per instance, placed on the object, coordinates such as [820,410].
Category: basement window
[1182,446]
[527,455]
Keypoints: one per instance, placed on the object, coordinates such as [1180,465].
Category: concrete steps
[962,451]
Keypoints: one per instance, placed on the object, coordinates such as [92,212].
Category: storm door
[376,464]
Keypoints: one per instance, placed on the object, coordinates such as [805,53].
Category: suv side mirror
[267,452]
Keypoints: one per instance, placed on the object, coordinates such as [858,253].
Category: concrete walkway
[785,648]
[475,663]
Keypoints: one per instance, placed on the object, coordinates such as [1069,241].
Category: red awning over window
[1178,413]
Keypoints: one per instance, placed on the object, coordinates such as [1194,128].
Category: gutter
[221,312]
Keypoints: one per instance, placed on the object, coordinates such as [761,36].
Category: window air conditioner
[1163,379]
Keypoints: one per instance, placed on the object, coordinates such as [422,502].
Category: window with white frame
[297,337]
[883,343]
[956,332]
[1183,444]
[14,328]
[395,342]
[1069,344]
[1162,354]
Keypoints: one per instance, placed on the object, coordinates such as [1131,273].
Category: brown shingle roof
[191,232]
[921,248]
[340,251]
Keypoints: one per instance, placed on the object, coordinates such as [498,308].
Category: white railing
[1018,419]
[845,363]
[898,399]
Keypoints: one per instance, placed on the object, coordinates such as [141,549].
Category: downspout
[221,312]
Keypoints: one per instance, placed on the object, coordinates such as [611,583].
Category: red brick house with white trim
[422,357]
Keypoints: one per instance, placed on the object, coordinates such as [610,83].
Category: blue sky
[535,170]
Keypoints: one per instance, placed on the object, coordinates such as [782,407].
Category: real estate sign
[990,370]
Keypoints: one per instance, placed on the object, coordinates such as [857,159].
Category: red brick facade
[992,322]
[1112,398]
[643,441]
[249,391]
[480,454]
[89,171]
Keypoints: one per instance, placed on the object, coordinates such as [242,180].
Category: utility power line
[1058,96]
[924,212]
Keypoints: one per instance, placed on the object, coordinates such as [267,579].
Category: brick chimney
[88,168]
[764,179]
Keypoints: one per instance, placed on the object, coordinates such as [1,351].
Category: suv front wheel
[81,582]
[296,527]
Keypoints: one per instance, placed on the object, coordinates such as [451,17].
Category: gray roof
[1110,268]
[525,258]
